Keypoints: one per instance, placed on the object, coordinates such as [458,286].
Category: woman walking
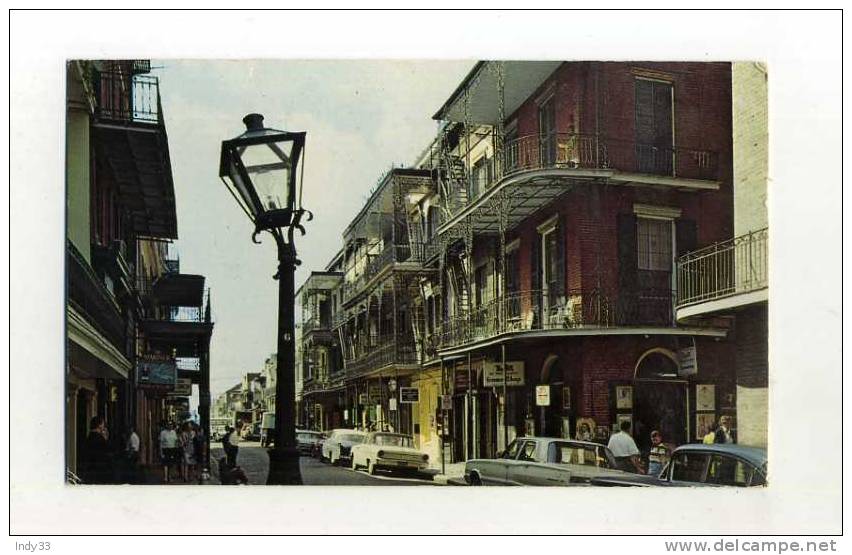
[168,449]
[187,443]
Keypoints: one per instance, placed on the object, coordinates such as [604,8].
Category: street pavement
[255,463]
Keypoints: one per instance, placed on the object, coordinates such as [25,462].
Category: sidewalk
[454,475]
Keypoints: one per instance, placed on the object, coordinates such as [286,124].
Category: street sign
[542,395]
[493,376]
[409,395]
[446,402]
[687,362]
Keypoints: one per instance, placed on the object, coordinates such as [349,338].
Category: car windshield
[392,440]
[352,438]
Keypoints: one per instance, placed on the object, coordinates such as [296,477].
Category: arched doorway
[660,399]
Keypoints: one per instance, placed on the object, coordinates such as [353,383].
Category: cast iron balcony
[724,269]
[536,310]
[127,98]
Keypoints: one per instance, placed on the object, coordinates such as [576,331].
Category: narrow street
[254,462]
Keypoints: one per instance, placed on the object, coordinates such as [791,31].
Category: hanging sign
[155,373]
[493,375]
[183,388]
[462,380]
[446,402]
[409,395]
[392,403]
[687,362]
[542,395]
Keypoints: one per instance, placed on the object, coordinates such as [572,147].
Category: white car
[387,450]
[339,444]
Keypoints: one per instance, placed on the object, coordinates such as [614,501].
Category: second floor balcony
[537,310]
[384,352]
[732,268]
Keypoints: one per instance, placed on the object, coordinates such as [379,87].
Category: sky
[361,117]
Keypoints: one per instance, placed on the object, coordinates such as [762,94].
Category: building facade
[522,276]
[128,306]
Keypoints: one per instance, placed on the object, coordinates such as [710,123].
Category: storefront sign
[183,388]
[156,373]
[687,362]
[409,395]
[542,395]
[493,376]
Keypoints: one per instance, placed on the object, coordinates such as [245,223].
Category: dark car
[307,441]
[697,464]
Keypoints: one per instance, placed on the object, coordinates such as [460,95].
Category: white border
[803,55]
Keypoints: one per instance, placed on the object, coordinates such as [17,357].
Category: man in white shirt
[132,452]
[168,446]
[233,445]
[624,449]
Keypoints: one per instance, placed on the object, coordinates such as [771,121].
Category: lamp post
[261,170]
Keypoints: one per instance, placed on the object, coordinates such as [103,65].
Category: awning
[90,354]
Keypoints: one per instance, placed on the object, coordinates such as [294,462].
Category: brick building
[557,199]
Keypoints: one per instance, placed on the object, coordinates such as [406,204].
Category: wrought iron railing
[573,150]
[388,351]
[376,263]
[575,309]
[126,97]
[200,314]
[738,265]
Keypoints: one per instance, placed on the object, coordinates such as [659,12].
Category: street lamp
[260,169]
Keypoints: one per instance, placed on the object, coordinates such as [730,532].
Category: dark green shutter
[628,278]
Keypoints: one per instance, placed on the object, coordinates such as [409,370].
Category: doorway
[660,400]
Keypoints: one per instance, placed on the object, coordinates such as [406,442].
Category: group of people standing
[104,461]
[183,448]
[628,457]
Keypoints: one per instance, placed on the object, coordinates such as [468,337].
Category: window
[512,451]
[567,453]
[654,248]
[689,467]
[547,132]
[527,452]
[728,471]
[481,176]
[654,132]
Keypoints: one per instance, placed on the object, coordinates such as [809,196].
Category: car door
[531,468]
[494,471]
[688,468]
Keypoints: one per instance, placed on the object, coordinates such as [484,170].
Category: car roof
[349,431]
[754,455]
[561,439]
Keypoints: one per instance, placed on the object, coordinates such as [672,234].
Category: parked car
[543,461]
[338,445]
[388,451]
[698,464]
[307,441]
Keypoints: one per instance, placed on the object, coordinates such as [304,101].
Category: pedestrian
[723,432]
[131,452]
[624,449]
[97,456]
[710,436]
[233,448]
[659,454]
[168,449]
[187,451]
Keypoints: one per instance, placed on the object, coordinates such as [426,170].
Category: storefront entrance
[660,401]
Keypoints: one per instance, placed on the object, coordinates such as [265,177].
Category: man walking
[624,449]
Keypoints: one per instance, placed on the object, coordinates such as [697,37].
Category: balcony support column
[468,249]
